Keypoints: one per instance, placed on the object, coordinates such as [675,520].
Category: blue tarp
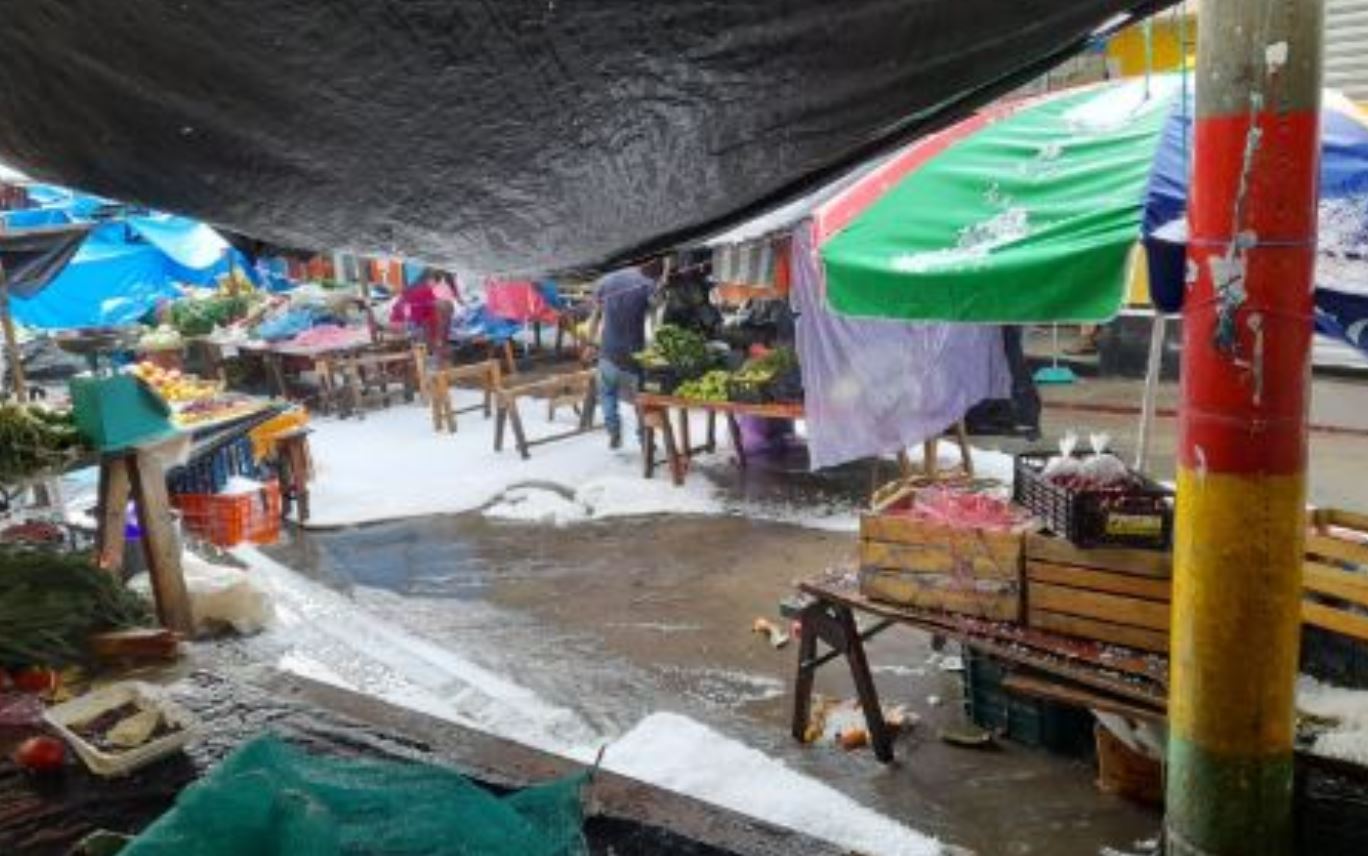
[33,218]
[123,269]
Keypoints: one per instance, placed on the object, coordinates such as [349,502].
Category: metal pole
[1158,328]
[12,354]
[1247,327]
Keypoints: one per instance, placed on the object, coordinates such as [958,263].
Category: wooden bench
[351,381]
[582,385]
[487,376]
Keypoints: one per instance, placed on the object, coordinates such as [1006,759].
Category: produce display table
[279,356]
[1082,672]
[653,414]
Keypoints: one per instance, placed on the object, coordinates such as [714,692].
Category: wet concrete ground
[617,620]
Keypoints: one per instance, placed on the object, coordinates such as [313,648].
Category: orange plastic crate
[227,520]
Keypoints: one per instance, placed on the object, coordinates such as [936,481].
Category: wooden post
[112,506]
[12,353]
[159,541]
[1242,451]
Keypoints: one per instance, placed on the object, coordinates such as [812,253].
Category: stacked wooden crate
[913,562]
[1335,576]
[1109,594]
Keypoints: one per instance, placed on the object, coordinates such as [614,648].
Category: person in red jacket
[426,309]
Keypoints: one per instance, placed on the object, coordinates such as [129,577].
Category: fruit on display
[712,386]
[162,338]
[40,755]
[762,369]
[173,386]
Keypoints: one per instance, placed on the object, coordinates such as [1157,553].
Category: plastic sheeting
[514,137]
[114,278]
[1028,218]
[875,387]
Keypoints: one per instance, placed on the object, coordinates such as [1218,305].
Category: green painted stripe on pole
[1253,816]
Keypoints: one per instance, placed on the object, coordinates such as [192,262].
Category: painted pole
[1247,327]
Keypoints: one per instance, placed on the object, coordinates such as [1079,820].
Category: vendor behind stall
[426,308]
[622,300]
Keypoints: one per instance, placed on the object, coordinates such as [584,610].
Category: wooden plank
[1106,607]
[1096,580]
[1335,582]
[1005,547]
[112,507]
[1040,649]
[160,544]
[937,559]
[1336,620]
[1342,518]
[1339,549]
[907,590]
[1103,631]
[1147,563]
[1064,693]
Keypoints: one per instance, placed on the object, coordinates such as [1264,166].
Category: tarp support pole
[1247,328]
[1158,330]
[12,355]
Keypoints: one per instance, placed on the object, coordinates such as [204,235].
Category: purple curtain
[873,387]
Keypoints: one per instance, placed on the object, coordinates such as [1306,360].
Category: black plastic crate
[1140,518]
[748,391]
[659,380]
[788,387]
[1058,728]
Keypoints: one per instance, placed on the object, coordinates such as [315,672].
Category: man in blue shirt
[621,301]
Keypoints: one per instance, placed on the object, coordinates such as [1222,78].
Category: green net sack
[271,798]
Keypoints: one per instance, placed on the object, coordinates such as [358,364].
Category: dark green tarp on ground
[271,799]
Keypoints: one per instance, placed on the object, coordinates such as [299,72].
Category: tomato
[41,754]
[35,679]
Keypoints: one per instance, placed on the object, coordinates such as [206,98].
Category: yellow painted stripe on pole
[1236,601]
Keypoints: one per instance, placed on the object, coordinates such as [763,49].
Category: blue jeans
[612,382]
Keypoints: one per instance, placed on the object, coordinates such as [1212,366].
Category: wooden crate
[1108,594]
[1123,596]
[916,563]
[1335,576]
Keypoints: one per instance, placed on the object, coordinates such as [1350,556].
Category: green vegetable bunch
[198,316]
[710,387]
[772,365]
[51,602]
[685,350]
[34,439]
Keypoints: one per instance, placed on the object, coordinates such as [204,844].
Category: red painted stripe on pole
[1248,355]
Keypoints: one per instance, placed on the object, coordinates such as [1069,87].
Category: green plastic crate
[1059,728]
[114,413]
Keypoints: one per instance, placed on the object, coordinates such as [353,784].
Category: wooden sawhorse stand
[296,469]
[583,385]
[139,474]
[834,624]
[488,376]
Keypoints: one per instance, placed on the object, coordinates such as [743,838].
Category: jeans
[613,381]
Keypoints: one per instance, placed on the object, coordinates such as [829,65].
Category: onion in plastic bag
[1064,465]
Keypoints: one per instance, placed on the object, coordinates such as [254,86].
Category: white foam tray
[113,764]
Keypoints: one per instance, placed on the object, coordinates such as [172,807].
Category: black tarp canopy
[511,137]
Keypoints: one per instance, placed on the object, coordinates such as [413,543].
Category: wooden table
[1075,671]
[653,414]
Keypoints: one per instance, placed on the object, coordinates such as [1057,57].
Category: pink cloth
[418,305]
[517,301]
